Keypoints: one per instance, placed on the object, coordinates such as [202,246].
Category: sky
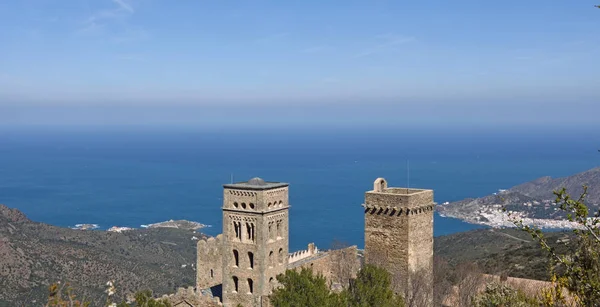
[277,63]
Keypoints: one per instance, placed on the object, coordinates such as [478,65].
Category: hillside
[498,251]
[34,255]
[532,200]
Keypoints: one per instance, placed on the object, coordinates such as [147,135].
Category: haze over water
[130,178]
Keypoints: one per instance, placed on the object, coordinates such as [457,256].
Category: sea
[132,177]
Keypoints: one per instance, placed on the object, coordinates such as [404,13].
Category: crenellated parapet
[397,211]
[303,254]
[209,271]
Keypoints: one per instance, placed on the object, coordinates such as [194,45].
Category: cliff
[33,255]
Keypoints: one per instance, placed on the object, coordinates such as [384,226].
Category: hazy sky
[159,61]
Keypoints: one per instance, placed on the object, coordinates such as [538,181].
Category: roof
[255,183]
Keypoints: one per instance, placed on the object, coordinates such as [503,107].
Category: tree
[303,289]
[62,295]
[578,268]
[469,279]
[442,286]
[372,288]
[497,294]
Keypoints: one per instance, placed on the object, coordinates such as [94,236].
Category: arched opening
[271,260]
[236,258]
[237,227]
[250,286]
[244,205]
[251,205]
[235,204]
[280,203]
[281,256]
[269,205]
[235,284]
[381,185]
[251,259]
[212,273]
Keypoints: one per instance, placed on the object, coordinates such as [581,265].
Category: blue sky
[165,62]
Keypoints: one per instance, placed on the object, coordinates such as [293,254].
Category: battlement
[210,246]
[303,254]
[406,199]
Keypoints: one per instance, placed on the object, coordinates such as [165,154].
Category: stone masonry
[245,259]
[255,240]
[399,234]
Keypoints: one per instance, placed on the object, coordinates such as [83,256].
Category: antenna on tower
[408,173]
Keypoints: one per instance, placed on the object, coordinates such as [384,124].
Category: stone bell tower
[399,235]
[255,240]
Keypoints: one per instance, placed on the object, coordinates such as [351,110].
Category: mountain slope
[34,255]
[532,200]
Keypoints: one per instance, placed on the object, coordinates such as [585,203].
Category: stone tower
[255,240]
[399,235]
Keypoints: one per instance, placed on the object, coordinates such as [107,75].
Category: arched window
[237,228]
[235,284]
[280,203]
[235,204]
[251,205]
[248,231]
[269,205]
[281,256]
[212,273]
[244,205]
[278,225]
[250,286]
[251,259]
[236,257]
[271,260]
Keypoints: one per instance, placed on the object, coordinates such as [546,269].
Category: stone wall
[188,297]
[209,265]
[337,266]
[303,254]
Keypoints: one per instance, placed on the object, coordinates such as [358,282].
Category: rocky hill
[533,201]
[33,255]
[500,251]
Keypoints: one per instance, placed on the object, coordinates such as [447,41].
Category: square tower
[255,239]
[399,234]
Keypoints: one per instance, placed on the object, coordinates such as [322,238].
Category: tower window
[250,286]
[271,260]
[236,258]
[269,205]
[281,256]
[235,284]
[251,259]
[270,230]
[212,273]
[251,205]
[237,228]
[235,204]
[244,205]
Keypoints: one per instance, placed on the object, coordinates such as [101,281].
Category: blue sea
[130,177]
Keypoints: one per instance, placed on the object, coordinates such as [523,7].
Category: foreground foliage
[578,268]
[62,295]
[497,294]
[371,288]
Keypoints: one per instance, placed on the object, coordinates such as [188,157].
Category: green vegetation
[303,289]
[497,294]
[577,267]
[62,295]
[371,288]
